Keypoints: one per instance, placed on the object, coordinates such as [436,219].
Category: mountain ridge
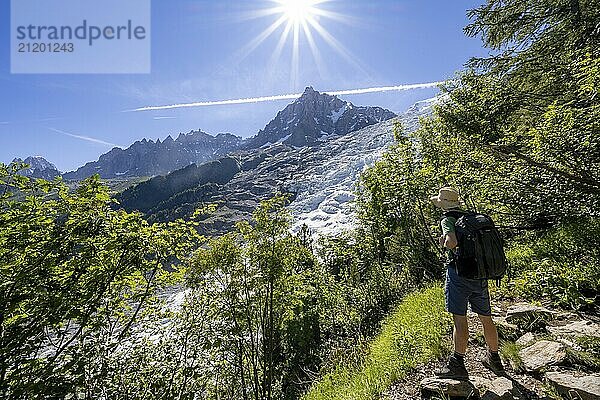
[148,158]
[312,118]
[39,167]
[315,116]
[319,180]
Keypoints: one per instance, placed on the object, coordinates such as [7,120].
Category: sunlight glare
[297,11]
[301,21]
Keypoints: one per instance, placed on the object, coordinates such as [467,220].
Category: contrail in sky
[86,138]
[291,96]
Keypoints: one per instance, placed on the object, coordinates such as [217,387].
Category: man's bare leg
[455,368]
[489,332]
[461,334]
[492,359]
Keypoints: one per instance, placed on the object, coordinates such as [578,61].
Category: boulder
[481,383]
[526,309]
[527,316]
[543,354]
[584,387]
[448,388]
[526,339]
[569,344]
[501,389]
[576,329]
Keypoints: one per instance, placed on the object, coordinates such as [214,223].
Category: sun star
[298,11]
[297,21]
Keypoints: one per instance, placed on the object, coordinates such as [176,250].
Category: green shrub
[589,343]
[561,265]
[76,280]
[588,360]
[510,352]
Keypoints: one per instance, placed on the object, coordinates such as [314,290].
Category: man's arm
[448,238]
[450,241]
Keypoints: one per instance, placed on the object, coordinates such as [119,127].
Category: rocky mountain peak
[310,120]
[320,180]
[309,92]
[148,158]
[315,117]
[39,167]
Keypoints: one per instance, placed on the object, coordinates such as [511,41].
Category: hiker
[461,291]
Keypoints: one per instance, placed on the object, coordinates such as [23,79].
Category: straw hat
[447,198]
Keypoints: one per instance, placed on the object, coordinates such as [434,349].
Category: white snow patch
[283,139]
[336,115]
[280,141]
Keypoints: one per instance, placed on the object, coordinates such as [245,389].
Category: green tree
[517,133]
[393,211]
[532,107]
[75,277]
[261,286]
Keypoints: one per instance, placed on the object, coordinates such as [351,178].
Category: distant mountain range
[320,180]
[39,167]
[313,150]
[149,158]
[312,118]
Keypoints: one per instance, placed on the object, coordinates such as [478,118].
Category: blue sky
[198,55]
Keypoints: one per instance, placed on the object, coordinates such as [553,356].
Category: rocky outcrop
[571,386]
[543,354]
[528,316]
[38,167]
[565,359]
[576,329]
[526,310]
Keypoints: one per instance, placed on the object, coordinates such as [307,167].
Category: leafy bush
[561,265]
[394,212]
[264,293]
[366,290]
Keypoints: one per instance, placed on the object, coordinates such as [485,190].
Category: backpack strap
[456,214]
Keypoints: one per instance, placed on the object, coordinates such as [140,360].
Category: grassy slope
[413,334]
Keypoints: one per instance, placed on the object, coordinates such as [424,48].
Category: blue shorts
[462,291]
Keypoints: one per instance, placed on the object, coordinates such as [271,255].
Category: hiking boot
[493,362]
[454,369]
